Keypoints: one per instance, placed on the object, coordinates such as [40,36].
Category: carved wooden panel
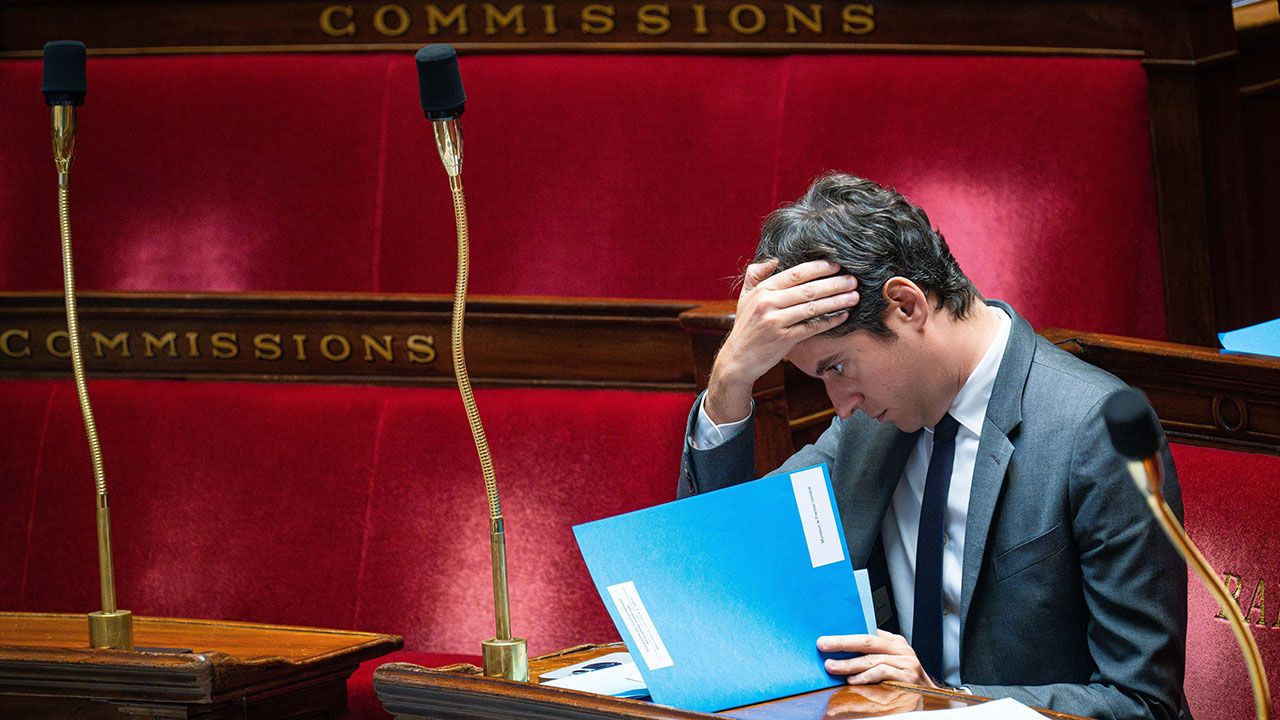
[1079,27]
[228,669]
[373,339]
[1202,396]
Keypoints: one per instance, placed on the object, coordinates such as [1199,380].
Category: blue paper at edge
[1260,339]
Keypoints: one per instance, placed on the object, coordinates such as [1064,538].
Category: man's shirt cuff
[708,435]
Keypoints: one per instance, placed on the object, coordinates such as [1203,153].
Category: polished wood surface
[228,669]
[461,692]
[563,342]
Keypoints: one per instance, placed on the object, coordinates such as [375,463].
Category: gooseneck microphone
[1135,434]
[443,101]
[64,90]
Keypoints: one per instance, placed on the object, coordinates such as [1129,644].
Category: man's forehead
[808,353]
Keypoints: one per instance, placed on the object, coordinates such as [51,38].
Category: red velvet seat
[1232,515]
[336,506]
[651,173]
[362,701]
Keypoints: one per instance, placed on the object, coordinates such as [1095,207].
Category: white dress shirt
[901,524]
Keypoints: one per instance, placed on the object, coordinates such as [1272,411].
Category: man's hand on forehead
[813,292]
[776,310]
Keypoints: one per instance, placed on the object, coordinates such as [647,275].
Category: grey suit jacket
[1072,598]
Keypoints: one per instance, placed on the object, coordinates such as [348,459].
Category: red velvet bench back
[1232,514]
[609,175]
[334,506]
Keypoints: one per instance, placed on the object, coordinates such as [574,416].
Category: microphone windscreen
[1132,424]
[63,73]
[439,83]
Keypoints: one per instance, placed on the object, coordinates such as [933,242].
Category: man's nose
[845,401]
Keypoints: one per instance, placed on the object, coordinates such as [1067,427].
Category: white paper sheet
[622,680]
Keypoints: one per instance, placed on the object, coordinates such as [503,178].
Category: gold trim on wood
[682,47]
[542,342]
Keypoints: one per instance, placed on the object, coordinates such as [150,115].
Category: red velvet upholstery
[362,701]
[335,506]
[590,175]
[1232,514]
[26,407]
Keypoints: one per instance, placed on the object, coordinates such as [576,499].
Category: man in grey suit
[1010,554]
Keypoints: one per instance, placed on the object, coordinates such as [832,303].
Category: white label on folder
[817,517]
[640,625]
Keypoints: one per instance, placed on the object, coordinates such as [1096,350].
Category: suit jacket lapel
[994,451]
[866,481]
[995,447]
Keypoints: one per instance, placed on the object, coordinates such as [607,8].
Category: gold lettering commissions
[1253,602]
[744,21]
[141,347]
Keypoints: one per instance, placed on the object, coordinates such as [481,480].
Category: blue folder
[721,597]
[1260,339]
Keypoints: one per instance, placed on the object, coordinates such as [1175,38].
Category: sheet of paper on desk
[620,680]
[1005,709]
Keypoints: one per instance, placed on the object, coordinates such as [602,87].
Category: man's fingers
[816,290]
[880,673]
[800,274]
[803,318]
[757,273]
[863,663]
[865,644]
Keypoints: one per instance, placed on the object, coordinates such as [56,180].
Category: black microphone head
[1132,424]
[439,83]
[63,73]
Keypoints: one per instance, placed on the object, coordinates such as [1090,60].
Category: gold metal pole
[109,627]
[1149,476]
[504,656]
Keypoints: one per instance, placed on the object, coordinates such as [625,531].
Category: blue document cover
[721,597]
[1260,339]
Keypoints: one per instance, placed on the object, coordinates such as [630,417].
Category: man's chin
[906,427]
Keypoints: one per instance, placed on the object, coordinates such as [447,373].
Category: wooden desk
[461,692]
[234,670]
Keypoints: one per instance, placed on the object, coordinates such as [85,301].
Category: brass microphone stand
[504,656]
[109,627]
[1148,475]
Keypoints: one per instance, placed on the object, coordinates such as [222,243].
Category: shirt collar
[970,405]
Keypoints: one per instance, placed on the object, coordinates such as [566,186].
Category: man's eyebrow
[825,364]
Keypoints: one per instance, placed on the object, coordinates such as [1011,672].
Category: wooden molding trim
[1087,27]
[351,339]
[1203,397]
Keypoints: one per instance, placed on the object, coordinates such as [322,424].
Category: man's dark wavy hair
[874,234]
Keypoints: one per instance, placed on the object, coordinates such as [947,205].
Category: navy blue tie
[926,627]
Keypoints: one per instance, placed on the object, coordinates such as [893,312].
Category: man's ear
[908,305]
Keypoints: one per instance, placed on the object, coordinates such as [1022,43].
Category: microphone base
[508,659]
[113,630]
